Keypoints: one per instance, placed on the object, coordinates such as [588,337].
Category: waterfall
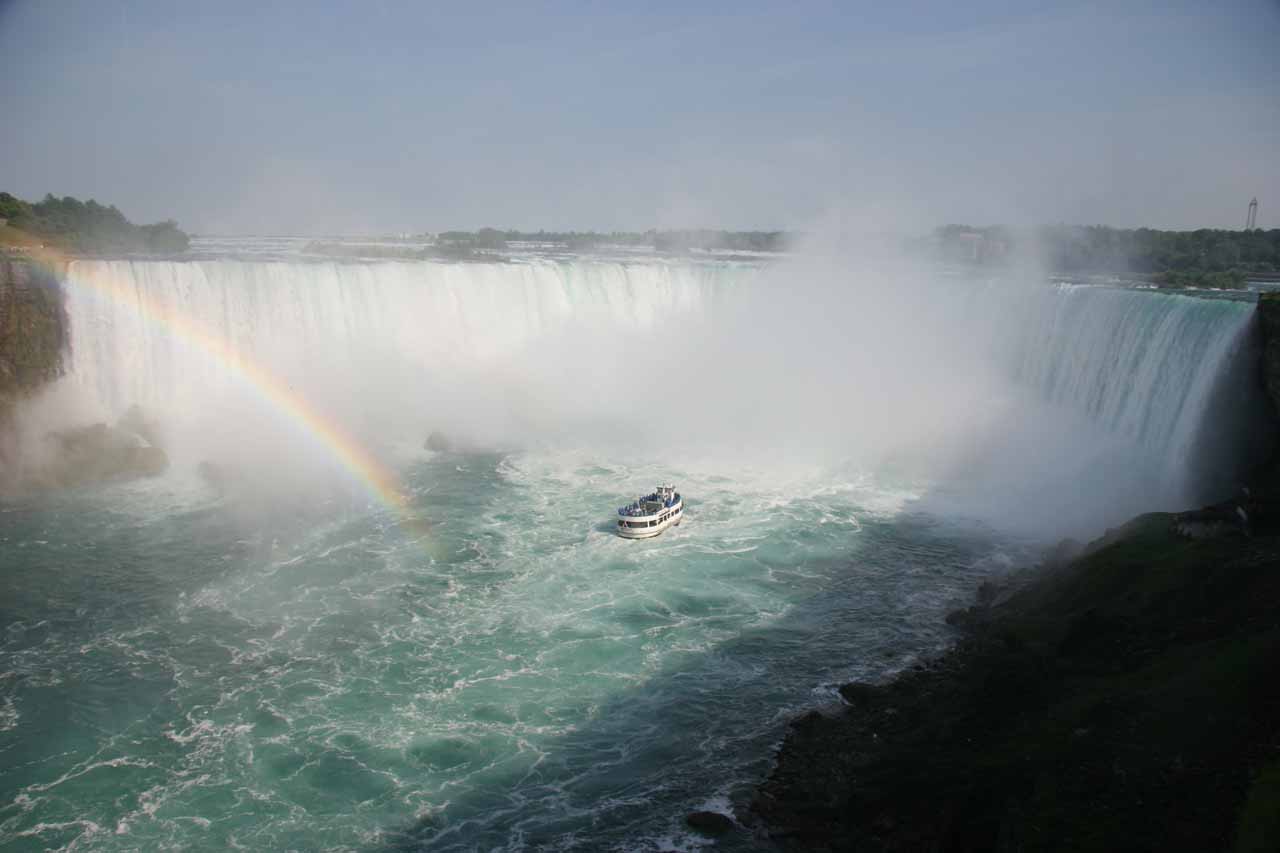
[297,319]
[542,346]
[1169,376]
[1139,364]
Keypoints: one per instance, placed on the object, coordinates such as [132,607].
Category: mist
[866,360]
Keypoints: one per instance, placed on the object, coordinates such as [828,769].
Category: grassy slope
[1127,701]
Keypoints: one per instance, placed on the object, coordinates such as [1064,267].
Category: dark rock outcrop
[1269,318]
[1229,518]
[710,823]
[93,454]
[1261,500]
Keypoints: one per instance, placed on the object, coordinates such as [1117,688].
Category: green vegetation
[86,226]
[1203,258]
[1259,826]
[663,241]
[1218,279]
[736,241]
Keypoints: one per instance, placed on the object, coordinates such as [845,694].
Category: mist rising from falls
[1074,405]
[387,351]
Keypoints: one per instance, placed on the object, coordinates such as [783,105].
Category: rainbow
[382,483]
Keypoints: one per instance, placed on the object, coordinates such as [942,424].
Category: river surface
[517,677]
[277,657]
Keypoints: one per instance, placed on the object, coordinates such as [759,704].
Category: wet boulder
[94,454]
[709,823]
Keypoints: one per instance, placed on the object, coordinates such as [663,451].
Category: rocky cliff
[1269,317]
[33,329]
[34,334]
[33,326]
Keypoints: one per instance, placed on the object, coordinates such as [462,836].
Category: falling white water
[1141,366]
[300,320]
[1144,401]
[1038,387]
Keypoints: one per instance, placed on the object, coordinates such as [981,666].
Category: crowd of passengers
[637,508]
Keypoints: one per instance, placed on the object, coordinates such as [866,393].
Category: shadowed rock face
[710,823]
[1261,502]
[1269,316]
[33,328]
[33,335]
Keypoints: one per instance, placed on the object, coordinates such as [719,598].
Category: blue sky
[374,117]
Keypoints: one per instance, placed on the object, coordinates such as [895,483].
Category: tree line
[662,241]
[1205,257]
[87,226]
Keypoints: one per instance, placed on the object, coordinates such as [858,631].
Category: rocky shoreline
[1126,698]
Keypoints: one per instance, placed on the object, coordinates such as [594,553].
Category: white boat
[651,514]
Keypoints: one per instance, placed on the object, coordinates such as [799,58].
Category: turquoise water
[178,674]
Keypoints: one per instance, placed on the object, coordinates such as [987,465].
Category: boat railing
[637,509]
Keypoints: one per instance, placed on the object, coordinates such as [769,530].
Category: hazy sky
[372,117]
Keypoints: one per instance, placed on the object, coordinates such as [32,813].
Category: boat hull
[640,528]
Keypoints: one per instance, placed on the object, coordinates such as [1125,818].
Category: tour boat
[651,514]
